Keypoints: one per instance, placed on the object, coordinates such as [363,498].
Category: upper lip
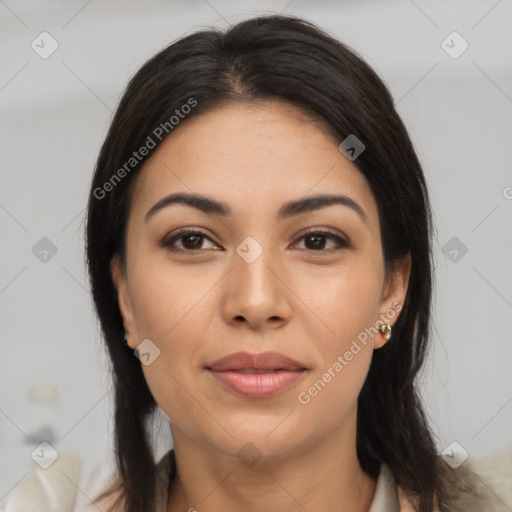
[261,361]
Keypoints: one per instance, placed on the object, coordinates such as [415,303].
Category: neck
[325,477]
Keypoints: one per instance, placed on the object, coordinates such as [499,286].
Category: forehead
[253,156]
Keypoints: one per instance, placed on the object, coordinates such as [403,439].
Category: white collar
[386,495]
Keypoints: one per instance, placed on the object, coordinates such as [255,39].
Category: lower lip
[257,385]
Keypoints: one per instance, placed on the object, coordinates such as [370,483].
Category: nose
[256,294]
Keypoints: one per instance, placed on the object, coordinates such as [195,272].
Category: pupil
[316,244]
[196,241]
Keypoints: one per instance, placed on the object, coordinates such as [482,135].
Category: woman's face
[253,280]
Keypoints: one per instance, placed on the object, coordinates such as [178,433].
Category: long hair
[289,59]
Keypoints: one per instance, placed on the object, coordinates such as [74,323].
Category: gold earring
[385,329]
[126,336]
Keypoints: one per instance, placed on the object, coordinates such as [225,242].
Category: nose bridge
[253,269]
[254,290]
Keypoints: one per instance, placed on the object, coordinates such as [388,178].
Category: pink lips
[256,375]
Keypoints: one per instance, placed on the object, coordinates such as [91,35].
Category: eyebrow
[289,209]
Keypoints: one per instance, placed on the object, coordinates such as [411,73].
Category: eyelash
[167,244]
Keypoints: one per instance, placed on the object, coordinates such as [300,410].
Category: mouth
[256,375]
[258,371]
[267,361]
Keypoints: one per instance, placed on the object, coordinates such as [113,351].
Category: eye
[190,240]
[193,241]
[316,241]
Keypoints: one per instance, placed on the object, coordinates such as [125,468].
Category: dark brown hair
[291,60]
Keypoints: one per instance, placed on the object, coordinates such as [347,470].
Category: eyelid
[342,241]
[167,241]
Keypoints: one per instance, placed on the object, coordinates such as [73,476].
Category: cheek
[179,399]
[346,299]
[171,310]
[332,392]
[165,297]
[347,304]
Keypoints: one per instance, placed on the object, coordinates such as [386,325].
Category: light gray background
[54,116]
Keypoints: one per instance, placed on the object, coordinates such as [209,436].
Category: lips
[252,363]
[256,375]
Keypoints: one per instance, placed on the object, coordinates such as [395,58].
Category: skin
[306,303]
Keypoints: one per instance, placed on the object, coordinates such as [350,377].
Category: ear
[123,299]
[393,295]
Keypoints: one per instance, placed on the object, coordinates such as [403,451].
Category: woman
[259,233]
